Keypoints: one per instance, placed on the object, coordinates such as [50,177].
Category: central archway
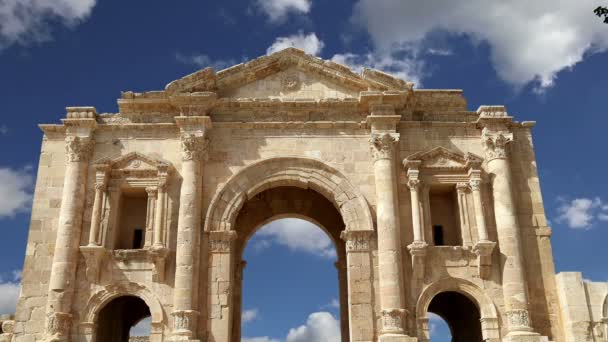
[288,187]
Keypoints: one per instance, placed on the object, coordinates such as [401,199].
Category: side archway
[445,287]
[103,297]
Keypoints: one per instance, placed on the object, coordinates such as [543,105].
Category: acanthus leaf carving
[392,320]
[518,319]
[194,147]
[357,241]
[77,148]
[383,145]
[495,143]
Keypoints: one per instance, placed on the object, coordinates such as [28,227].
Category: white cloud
[277,10]
[310,43]
[9,293]
[249,315]
[23,21]
[581,213]
[15,192]
[299,235]
[320,327]
[333,304]
[529,41]
[259,339]
[401,64]
[142,328]
[203,61]
[3,129]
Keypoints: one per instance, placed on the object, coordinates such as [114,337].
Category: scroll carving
[383,145]
[193,147]
[495,143]
[78,149]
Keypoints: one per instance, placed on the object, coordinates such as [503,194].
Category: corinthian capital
[495,143]
[383,145]
[77,148]
[194,147]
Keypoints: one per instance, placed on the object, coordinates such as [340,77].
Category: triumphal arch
[432,208]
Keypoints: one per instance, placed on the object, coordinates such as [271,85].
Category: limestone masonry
[432,208]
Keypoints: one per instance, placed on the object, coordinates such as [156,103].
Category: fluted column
[515,291]
[152,192]
[389,246]
[65,257]
[193,145]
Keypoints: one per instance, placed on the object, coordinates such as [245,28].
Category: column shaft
[389,242]
[416,223]
[65,257]
[96,216]
[159,213]
[482,230]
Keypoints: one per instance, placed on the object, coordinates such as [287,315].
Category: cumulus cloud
[278,10]
[310,43]
[203,61]
[249,315]
[582,213]
[529,41]
[15,192]
[9,292]
[297,235]
[23,21]
[320,327]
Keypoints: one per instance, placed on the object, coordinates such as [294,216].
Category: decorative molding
[58,324]
[158,257]
[184,322]
[358,240]
[383,145]
[392,320]
[418,250]
[495,143]
[221,241]
[484,250]
[78,149]
[440,158]
[518,320]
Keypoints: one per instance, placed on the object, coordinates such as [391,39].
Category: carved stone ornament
[58,323]
[392,320]
[94,257]
[221,241]
[383,145]
[518,319]
[78,149]
[484,250]
[357,241]
[193,147]
[495,143]
[8,326]
[158,257]
[475,184]
[418,251]
[290,82]
[413,184]
[183,321]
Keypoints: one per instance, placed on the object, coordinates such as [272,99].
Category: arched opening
[257,223]
[461,315]
[122,319]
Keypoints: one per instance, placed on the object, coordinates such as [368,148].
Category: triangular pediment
[442,158]
[289,73]
[135,162]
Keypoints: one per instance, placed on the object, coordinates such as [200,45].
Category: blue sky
[545,60]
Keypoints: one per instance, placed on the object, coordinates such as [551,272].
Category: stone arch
[487,309]
[110,292]
[305,173]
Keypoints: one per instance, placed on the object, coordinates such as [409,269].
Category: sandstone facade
[432,208]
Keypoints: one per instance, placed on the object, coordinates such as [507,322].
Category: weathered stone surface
[420,196]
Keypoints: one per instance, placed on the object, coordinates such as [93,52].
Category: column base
[396,338]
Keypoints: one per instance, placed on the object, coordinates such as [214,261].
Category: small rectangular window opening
[438,235]
[138,238]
